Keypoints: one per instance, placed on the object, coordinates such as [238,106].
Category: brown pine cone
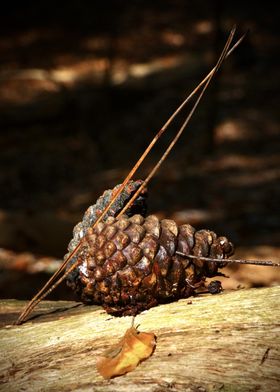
[128,265]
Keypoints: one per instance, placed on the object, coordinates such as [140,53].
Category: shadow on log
[227,342]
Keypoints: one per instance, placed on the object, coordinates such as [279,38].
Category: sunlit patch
[230,131]
[173,38]
[204,27]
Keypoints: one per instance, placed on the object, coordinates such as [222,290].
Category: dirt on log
[225,342]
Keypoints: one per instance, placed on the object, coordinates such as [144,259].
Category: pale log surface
[225,342]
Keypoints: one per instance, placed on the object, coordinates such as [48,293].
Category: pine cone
[128,265]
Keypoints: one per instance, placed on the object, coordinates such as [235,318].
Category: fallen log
[226,342]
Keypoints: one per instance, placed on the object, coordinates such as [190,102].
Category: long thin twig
[232,261]
[181,130]
[47,287]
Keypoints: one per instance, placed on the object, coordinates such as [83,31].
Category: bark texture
[226,342]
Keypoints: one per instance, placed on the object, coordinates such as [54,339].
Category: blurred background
[84,86]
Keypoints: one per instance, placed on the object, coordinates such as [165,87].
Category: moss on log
[226,342]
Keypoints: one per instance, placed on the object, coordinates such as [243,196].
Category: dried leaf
[134,347]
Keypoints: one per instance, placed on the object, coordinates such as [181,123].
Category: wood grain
[226,342]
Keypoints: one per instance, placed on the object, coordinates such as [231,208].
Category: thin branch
[186,122]
[232,261]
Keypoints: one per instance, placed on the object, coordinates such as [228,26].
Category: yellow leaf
[134,347]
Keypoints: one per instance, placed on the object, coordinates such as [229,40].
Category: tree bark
[225,342]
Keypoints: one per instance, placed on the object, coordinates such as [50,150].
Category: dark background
[84,86]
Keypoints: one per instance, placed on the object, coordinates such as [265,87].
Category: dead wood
[227,342]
